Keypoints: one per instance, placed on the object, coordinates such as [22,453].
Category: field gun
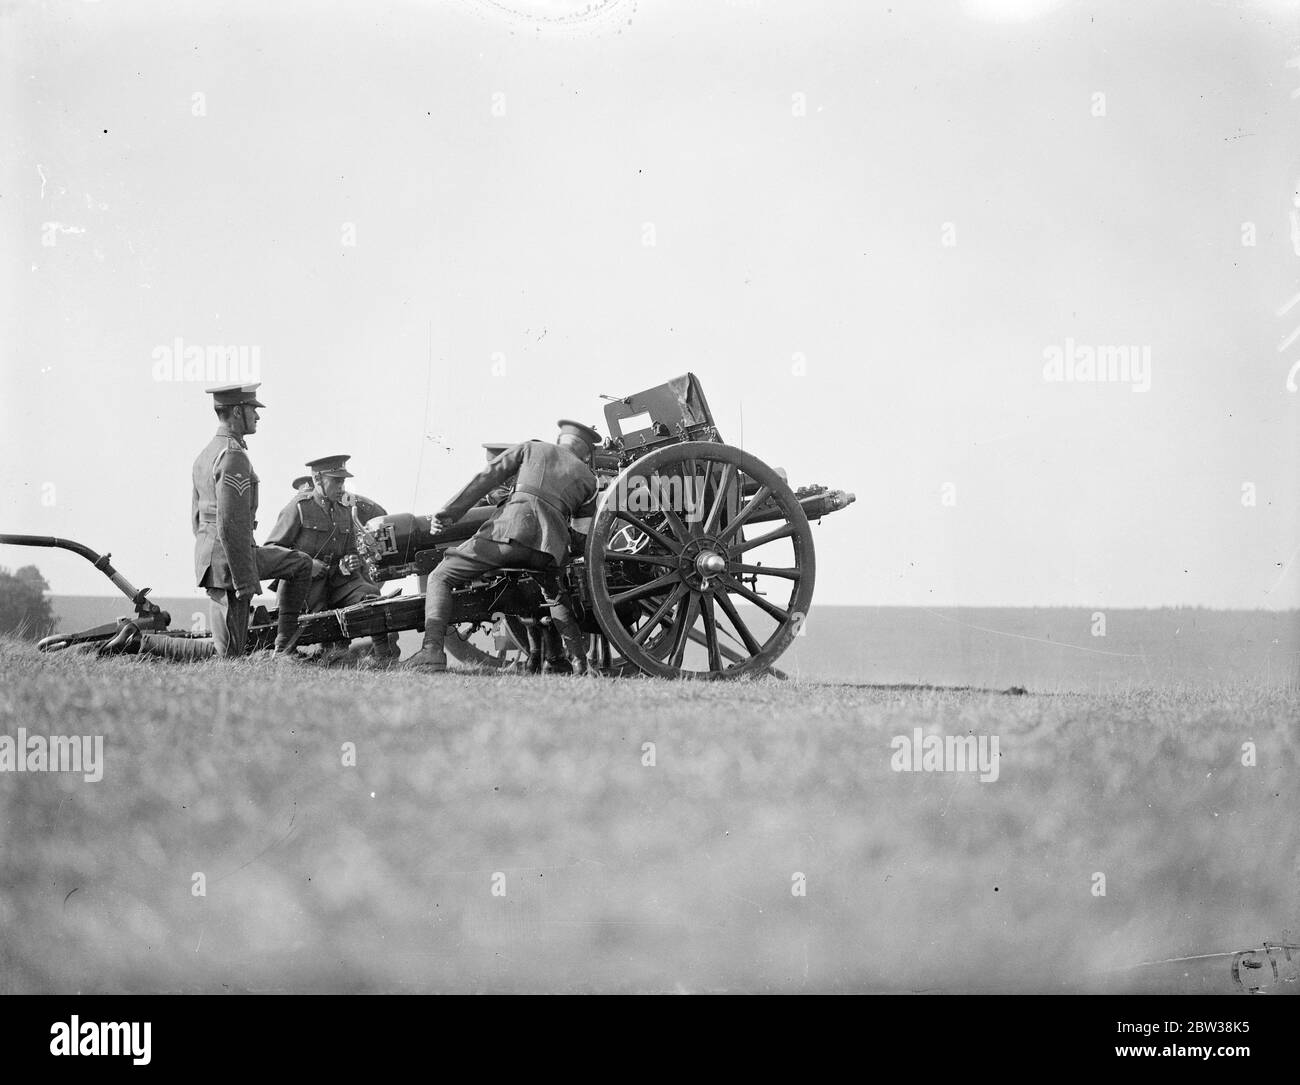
[697,563]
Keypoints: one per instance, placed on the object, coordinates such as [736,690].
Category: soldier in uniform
[320,522]
[529,530]
[228,563]
[223,513]
[545,646]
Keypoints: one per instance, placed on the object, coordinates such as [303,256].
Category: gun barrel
[815,506]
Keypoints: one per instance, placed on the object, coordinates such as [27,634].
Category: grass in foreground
[619,876]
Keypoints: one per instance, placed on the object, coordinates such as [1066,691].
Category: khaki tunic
[552,486]
[223,514]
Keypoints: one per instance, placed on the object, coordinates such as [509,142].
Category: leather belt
[543,498]
[206,517]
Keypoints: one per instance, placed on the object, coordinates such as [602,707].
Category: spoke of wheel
[720,498]
[676,525]
[658,616]
[711,633]
[762,540]
[650,587]
[764,492]
[738,623]
[644,559]
[687,623]
[702,495]
[663,540]
[758,601]
[727,652]
[765,570]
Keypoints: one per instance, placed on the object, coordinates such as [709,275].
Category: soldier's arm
[234,480]
[493,474]
[285,531]
[588,507]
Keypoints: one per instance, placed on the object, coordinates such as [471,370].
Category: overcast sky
[877,232]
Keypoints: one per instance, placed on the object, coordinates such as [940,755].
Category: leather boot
[385,650]
[575,641]
[556,661]
[535,642]
[432,657]
[286,632]
[291,598]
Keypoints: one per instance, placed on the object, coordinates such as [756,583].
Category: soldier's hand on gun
[349,564]
[318,569]
[439,521]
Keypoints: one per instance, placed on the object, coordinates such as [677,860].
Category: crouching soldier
[529,530]
[545,647]
[320,523]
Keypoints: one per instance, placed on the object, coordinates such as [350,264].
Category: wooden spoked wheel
[715,577]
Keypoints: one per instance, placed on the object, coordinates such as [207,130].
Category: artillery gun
[697,563]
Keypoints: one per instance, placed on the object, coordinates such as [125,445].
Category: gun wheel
[721,578]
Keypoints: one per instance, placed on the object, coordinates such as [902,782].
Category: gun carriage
[697,563]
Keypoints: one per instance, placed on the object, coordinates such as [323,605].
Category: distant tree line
[24,610]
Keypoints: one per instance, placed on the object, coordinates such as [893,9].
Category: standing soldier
[223,514]
[530,530]
[320,523]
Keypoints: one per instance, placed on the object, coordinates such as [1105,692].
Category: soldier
[365,509]
[303,484]
[319,522]
[530,530]
[544,642]
[498,494]
[223,513]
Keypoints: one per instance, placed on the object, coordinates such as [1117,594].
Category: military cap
[577,429]
[301,481]
[235,395]
[331,465]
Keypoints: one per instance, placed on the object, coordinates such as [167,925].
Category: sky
[893,241]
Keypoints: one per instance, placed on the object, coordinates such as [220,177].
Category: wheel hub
[701,560]
[707,563]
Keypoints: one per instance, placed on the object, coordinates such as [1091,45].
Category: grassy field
[619,876]
[1049,649]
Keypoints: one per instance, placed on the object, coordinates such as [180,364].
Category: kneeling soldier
[320,523]
[529,530]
